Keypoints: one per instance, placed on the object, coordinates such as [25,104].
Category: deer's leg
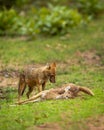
[32,99]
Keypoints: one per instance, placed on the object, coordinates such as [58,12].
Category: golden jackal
[67,91]
[36,77]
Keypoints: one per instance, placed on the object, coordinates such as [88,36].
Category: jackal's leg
[29,91]
[43,86]
[21,90]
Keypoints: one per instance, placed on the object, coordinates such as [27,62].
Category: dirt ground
[47,126]
[96,123]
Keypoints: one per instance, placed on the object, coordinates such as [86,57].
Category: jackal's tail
[86,90]
[22,84]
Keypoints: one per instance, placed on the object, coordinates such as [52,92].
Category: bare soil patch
[93,123]
[96,123]
[8,78]
[47,126]
[89,57]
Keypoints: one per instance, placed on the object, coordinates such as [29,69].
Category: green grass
[63,51]
[21,117]
[44,50]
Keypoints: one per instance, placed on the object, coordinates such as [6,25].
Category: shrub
[11,3]
[53,21]
[7,20]
[57,20]
[11,23]
[90,7]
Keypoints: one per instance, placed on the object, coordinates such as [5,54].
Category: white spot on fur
[44,94]
[67,88]
[59,97]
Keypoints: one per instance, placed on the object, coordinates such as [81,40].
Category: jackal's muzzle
[52,79]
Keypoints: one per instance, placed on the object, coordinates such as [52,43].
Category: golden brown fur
[32,77]
[67,91]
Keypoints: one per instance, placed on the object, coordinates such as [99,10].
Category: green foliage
[90,7]
[6,3]
[57,20]
[7,19]
[51,20]
[54,20]
[12,23]
[11,3]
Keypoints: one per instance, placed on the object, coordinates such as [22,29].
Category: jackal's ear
[53,64]
[48,66]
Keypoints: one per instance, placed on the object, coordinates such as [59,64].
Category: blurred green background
[46,17]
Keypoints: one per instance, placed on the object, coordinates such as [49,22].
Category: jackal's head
[51,72]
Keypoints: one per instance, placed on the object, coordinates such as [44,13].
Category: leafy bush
[11,23]
[50,20]
[11,3]
[7,20]
[53,20]
[57,20]
[90,7]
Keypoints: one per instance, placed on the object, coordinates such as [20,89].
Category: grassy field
[80,60]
